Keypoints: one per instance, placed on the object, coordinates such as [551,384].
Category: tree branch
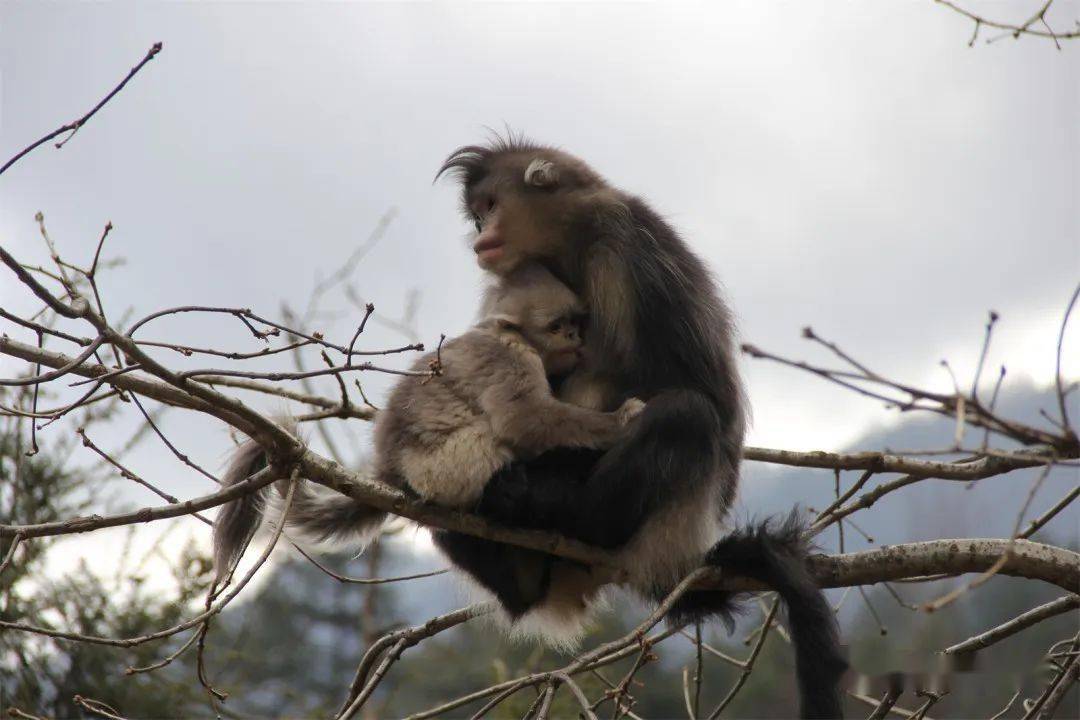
[1018,623]
[74,126]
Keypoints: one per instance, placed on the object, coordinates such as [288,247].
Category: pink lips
[488,249]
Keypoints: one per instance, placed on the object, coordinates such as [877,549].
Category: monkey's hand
[629,410]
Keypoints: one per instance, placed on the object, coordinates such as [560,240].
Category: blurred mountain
[934,508]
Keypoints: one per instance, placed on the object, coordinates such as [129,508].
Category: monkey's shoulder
[493,355]
[471,366]
[459,358]
[419,416]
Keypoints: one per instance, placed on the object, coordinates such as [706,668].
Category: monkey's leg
[518,577]
[519,495]
[535,494]
[676,446]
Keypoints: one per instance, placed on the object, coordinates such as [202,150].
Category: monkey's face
[524,205]
[532,303]
[509,232]
[559,343]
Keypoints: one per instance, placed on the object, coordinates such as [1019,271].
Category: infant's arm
[525,415]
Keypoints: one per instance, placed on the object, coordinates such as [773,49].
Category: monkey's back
[433,436]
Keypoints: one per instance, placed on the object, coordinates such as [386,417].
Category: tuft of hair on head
[469,163]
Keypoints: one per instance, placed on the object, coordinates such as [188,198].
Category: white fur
[473,453]
[562,631]
[673,541]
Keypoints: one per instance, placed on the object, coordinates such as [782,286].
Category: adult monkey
[657,331]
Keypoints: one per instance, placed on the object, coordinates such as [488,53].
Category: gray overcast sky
[856,167]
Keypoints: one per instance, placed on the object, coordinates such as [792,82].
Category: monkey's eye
[481,208]
[554,327]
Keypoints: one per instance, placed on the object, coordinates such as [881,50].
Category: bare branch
[974,468]
[73,127]
[1018,623]
[268,475]
[1014,30]
[185,507]
[601,655]
[892,710]
[361,688]
[748,666]
[1062,405]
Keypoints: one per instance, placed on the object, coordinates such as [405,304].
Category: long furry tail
[318,513]
[775,554]
[324,515]
[238,519]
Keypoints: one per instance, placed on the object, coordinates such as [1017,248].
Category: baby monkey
[442,437]
[445,436]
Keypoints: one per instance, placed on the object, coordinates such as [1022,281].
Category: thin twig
[1018,623]
[1062,405]
[15,542]
[73,127]
[1013,30]
[748,666]
[365,581]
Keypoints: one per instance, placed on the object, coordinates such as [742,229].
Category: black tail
[776,556]
[318,513]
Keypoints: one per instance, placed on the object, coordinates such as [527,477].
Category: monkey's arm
[672,447]
[527,417]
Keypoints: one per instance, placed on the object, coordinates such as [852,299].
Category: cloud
[857,168]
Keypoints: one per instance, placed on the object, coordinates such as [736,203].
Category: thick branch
[884,462]
[366,491]
[951,557]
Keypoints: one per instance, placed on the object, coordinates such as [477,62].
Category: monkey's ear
[542,174]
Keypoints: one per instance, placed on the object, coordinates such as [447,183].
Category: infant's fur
[442,437]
